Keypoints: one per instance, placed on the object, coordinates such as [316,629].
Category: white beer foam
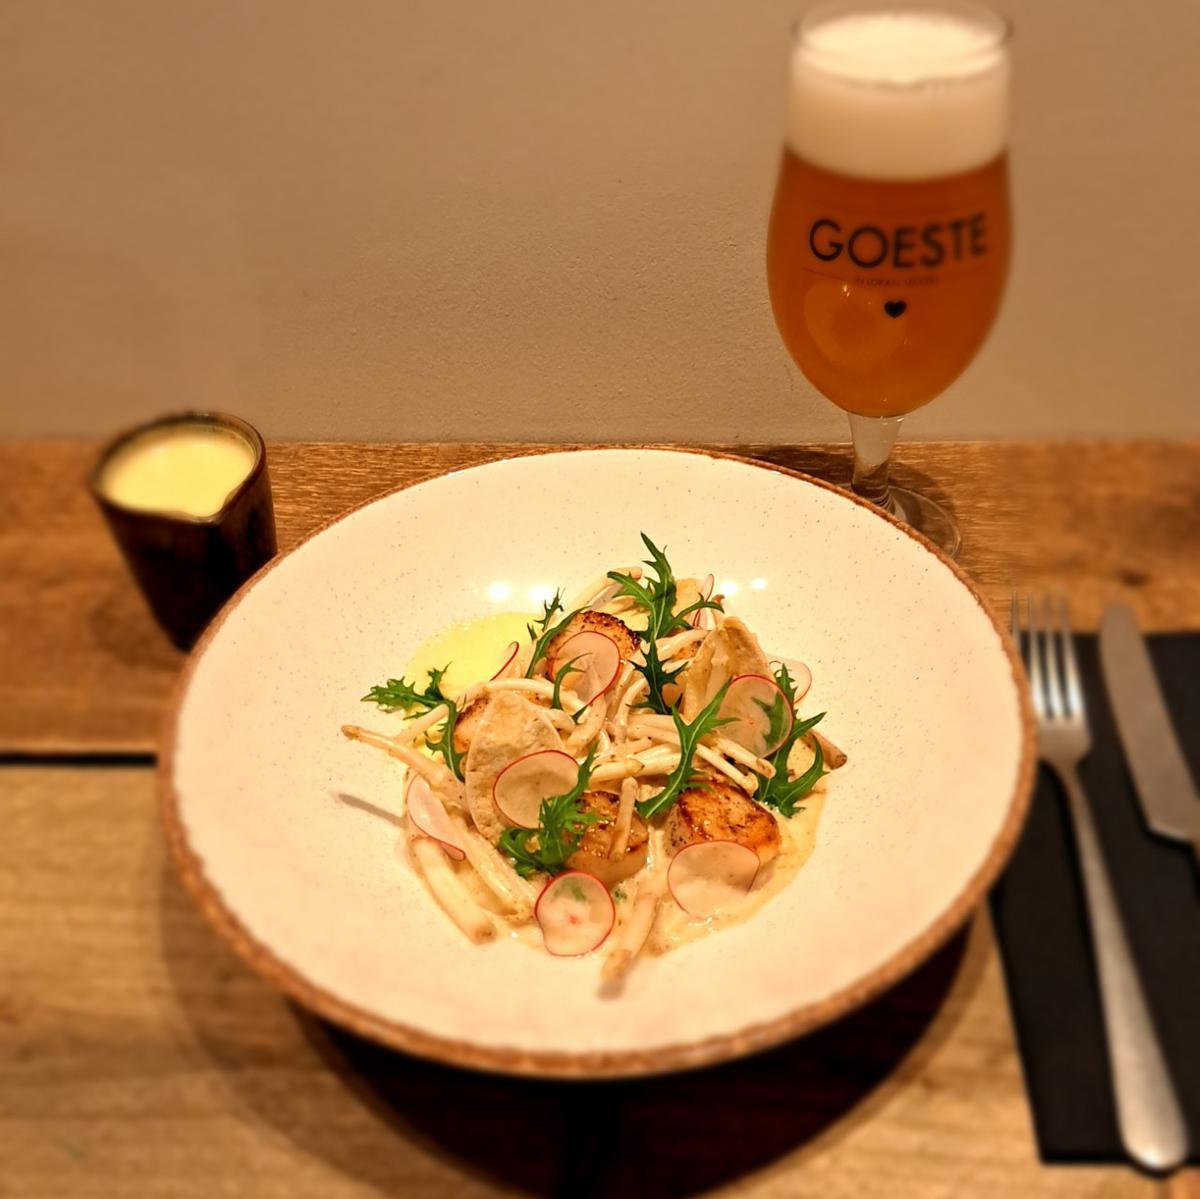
[899,95]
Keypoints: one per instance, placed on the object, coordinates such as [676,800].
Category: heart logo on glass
[895,308]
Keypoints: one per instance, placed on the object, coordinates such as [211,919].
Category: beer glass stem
[873,438]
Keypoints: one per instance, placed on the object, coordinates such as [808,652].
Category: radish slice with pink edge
[597,660]
[760,717]
[428,817]
[800,674]
[708,877]
[575,913]
[522,785]
[510,655]
[706,589]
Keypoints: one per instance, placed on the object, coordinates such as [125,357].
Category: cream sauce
[798,838]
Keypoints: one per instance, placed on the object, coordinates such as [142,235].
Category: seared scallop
[596,843]
[719,811]
[597,622]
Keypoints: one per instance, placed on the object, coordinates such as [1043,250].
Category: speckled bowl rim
[609,1064]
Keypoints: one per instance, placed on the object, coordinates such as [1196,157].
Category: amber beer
[889,236]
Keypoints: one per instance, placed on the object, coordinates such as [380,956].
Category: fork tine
[1051,656]
[1073,692]
[1033,660]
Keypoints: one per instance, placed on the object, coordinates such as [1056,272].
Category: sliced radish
[801,676]
[760,717]
[706,589]
[429,817]
[522,785]
[597,662]
[509,655]
[708,877]
[575,912]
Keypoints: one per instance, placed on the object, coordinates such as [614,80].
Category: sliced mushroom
[834,757]
[511,726]
[726,652]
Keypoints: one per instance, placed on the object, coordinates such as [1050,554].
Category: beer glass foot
[929,519]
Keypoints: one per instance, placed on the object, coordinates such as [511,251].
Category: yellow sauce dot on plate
[473,649]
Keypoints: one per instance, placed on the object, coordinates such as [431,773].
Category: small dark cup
[187,567]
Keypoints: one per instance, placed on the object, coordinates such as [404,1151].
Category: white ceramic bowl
[921,685]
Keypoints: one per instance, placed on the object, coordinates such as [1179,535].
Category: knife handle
[1148,1114]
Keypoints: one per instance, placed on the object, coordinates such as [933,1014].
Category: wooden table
[139,1058]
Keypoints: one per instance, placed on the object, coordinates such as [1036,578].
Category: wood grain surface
[84,670]
[139,1059]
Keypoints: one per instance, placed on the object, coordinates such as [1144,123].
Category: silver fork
[1148,1114]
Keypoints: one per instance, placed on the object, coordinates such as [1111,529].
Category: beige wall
[537,219]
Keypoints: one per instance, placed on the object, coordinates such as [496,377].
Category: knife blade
[1160,775]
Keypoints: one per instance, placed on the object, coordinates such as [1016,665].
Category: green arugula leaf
[690,736]
[782,792]
[565,669]
[777,712]
[658,595]
[561,825]
[542,632]
[399,695]
[633,588]
[549,608]
[444,744]
[785,796]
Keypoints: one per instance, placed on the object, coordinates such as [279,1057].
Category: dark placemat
[1041,924]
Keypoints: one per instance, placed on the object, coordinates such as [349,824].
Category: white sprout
[604,745]
[540,687]
[669,647]
[634,692]
[624,820]
[619,605]
[412,730]
[587,730]
[434,773]
[618,689]
[498,876]
[560,720]
[654,724]
[747,782]
[456,901]
[633,932]
[600,589]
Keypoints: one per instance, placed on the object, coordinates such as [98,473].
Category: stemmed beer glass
[889,237]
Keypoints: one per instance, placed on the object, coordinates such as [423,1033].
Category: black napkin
[1039,915]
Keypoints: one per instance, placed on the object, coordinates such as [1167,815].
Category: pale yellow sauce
[185,469]
[475,650]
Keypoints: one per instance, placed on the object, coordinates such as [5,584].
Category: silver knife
[1160,775]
